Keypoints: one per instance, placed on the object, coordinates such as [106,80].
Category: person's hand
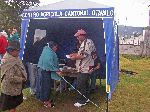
[59,73]
[76,56]
[90,71]
[73,56]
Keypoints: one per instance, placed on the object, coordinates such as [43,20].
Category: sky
[128,12]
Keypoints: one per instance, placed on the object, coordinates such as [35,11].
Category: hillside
[128,30]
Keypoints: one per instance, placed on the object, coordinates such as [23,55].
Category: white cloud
[136,11]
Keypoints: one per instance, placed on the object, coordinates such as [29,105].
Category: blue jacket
[48,61]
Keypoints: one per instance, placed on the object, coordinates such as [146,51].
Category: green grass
[132,93]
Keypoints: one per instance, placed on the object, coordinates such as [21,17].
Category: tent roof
[69,4]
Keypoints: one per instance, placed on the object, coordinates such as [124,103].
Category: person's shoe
[71,89]
[79,104]
[24,97]
[48,104]
[32,92]
[57,89]
[87,101]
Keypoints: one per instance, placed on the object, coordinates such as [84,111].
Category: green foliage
[10,12]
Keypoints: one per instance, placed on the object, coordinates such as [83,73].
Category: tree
[11,10]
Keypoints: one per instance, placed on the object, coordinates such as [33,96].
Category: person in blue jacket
[48,63]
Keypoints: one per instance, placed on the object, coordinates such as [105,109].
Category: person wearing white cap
[84,63]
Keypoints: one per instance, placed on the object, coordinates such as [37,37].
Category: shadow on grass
[134,57]
[128,72]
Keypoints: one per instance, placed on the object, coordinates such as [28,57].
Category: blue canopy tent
[62,19]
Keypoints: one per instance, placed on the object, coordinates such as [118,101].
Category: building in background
[139,45]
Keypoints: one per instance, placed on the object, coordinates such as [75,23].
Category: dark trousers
[83,86]
[45,85]
[93,77]
[38,85]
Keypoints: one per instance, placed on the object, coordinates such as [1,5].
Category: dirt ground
[64,102]
[67,106]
